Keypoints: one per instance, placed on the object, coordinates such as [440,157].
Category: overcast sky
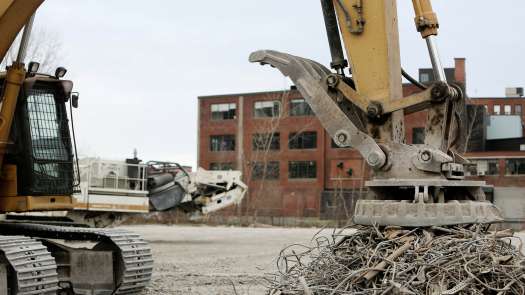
[140,65]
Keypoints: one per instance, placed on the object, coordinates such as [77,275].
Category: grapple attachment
[413,185]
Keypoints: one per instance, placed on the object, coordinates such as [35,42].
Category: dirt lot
[210,260]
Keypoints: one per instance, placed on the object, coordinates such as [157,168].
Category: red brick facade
[336,168]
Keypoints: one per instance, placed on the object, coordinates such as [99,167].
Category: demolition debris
[393,260]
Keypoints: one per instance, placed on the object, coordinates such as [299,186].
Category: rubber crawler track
[34,269]
[133,251]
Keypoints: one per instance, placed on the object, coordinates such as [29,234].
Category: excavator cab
[39,161]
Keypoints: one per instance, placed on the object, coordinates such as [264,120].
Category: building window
[222,143]
[497,109]
[515,166]
[267,109]
[266,141]
[270,171]
[517,109]
[483,167]
[223,111]
[299,107]
[302,140]
[418,135]
[507,109]
[302,169]
[472,169]
[221,166]
[493,167]
[424,77]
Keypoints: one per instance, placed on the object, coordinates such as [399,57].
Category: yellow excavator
[37,174]
[364,108]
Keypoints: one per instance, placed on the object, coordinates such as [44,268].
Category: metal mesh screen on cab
[50,140]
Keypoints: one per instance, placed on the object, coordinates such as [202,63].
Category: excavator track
[33,269]
[133,253]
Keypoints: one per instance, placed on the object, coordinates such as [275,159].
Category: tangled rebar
[393,260]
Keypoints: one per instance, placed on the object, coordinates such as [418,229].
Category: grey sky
[140,65]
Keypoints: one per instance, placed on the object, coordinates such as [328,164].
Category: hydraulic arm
[411,185]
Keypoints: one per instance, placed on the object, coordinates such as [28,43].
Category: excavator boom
[411,185]
[14,15]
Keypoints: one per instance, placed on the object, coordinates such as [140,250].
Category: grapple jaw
[311,78]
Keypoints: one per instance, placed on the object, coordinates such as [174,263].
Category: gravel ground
[211,260]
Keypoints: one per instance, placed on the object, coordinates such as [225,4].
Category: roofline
[228,95]
[245,94]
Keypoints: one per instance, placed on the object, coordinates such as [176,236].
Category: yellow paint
[8,181]
[374,53]
[14,14]
[35,203]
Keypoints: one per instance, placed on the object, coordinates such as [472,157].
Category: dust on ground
[212,260]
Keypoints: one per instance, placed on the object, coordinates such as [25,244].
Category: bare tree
[44,47]
[261,147]
[262,152]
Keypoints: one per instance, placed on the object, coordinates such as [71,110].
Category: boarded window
[266,141]
[302,140]
[302,169]
[265,171]
[222,166]
[223,111]
[517,109]
[299,107]
[266,109]
[222,143]
[418,135]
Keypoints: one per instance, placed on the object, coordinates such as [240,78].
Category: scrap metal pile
[393,260]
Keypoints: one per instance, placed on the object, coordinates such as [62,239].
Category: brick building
[290,163]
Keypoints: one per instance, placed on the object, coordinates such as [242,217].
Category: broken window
[299,107]
[222,143]
[223,111]
[266,109]
[302,169]
[266,141]
[265,171]
[515,166]
[302,140]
